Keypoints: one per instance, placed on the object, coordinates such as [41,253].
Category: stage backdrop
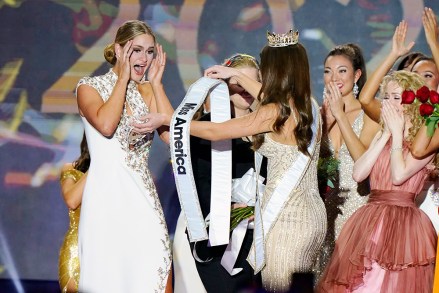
[46,46]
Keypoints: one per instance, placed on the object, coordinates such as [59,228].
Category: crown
[283,40]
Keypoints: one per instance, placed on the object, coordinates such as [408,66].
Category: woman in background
[72,180]
[423,144]
[407,61]
[347,135]
[388,245]
[427,69]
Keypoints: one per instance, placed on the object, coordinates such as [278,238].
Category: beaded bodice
[280,157]
[104,84]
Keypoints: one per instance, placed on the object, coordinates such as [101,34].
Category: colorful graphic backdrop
[47,45]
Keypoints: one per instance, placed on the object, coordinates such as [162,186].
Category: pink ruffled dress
[388,245]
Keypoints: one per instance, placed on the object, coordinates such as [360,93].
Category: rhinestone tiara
[283,40]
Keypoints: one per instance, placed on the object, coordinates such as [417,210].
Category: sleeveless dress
[388,244]
[123,239]
[68,265]
[345,199]
[293,243]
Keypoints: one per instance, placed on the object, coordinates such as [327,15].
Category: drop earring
[355,90]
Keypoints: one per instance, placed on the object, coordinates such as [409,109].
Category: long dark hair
[355,55]
[285,78]
[409,59]
[83,162]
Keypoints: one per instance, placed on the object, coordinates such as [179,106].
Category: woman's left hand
[393,117]
[335,100]
[157,67]
[328,118]
[148,123]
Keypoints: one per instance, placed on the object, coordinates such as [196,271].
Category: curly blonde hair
[408,81]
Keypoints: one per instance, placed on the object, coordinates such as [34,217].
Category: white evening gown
[123,239]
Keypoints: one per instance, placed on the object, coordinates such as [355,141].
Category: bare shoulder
[86,88]
[67,166]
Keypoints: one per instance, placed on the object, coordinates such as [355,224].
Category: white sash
[264,220]
[221,162]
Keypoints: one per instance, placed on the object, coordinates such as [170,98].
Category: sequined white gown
[123,239]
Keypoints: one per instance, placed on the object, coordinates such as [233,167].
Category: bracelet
[395,149]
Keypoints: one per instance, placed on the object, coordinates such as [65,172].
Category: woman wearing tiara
[290,217]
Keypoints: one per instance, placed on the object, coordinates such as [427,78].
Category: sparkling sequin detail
[344,200]
[68,265]
[294,241]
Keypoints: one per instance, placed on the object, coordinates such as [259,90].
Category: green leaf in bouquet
[431,126]
[330,184]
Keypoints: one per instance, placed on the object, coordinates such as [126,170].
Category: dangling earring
[324,92]
[355,90]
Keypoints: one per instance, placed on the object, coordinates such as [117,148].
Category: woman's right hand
[398,42]
[124,62]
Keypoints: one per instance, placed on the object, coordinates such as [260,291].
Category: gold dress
[294,242]
[68,266]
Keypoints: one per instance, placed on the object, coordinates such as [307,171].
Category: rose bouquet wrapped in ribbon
[429,105]
[244,192]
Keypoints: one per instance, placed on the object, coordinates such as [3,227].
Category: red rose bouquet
[429,108]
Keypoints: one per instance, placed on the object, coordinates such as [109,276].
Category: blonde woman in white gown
[123,239]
